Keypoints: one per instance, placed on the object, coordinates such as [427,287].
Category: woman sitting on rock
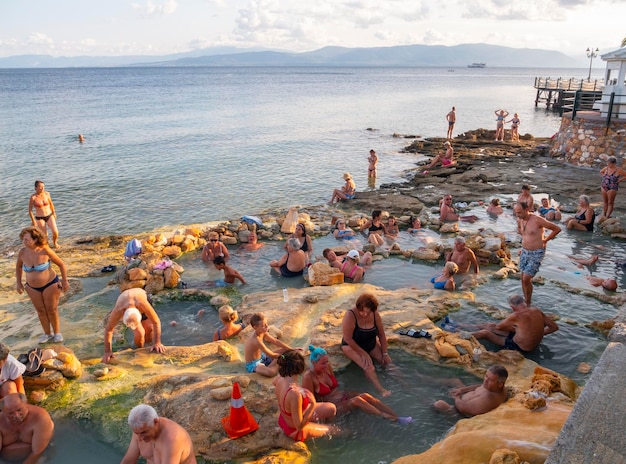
[346,192]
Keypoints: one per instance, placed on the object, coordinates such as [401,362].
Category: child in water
[230,274]
[259,358]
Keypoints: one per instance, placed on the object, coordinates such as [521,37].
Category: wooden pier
[560,93]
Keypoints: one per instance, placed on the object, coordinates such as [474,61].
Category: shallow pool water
[375,440]
[368,439]
[74,444]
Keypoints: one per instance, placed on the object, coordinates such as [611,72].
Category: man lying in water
[480,398]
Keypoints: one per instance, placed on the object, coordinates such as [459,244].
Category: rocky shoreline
[171,382]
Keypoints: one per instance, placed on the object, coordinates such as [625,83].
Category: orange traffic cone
[239,422]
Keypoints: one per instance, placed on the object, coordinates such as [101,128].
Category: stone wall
[586,142]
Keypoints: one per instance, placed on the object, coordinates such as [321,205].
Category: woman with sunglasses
[214,248]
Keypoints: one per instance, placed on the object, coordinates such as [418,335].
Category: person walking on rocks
[532,229]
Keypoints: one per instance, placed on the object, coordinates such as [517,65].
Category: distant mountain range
[403,55]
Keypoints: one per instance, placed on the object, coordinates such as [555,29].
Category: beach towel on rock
[133,248]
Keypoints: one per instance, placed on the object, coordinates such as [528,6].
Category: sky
[161,27]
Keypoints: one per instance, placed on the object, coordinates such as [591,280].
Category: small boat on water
[477,65]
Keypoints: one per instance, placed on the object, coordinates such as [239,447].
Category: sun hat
[353,254]
[446,143]
[346,175]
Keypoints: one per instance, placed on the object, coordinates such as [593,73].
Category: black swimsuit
[285,272]
[365,338]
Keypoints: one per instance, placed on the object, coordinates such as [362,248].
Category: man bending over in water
[133,307]
[157,439]
[25,430]
[478,399]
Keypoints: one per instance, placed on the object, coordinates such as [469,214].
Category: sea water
[169,146]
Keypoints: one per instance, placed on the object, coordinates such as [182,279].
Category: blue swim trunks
[264,359]
[530,260]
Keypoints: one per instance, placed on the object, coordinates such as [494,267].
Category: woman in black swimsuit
[585,216]
[42,283]
[307,244]
[364,338]
[375,229]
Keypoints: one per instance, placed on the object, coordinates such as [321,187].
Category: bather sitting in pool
[551,213]
[292,263]
[447,212]
[445,280]
[342,232]
[350,267]
[494,207]
[478,399]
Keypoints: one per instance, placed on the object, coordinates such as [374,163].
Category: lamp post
[591,54]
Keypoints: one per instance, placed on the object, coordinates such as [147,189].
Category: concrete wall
[585,141]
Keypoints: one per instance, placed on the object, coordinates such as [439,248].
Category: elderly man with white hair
[136,312]
[157,439]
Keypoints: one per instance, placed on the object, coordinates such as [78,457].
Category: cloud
[39,38]
[150,8]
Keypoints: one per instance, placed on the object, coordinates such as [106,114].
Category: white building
[615,83]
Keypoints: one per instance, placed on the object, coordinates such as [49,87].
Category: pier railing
[585,100]
[572,84]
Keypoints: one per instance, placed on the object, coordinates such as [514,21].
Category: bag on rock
[133,249]
[33,362]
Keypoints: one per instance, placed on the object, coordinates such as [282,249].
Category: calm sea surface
[169,146]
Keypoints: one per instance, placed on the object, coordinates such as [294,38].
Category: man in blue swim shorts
[532,229]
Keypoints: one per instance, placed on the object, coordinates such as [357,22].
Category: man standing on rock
[134,309]
[523,330]
[451,118]
[531,228]
[25,430]
[157,439]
